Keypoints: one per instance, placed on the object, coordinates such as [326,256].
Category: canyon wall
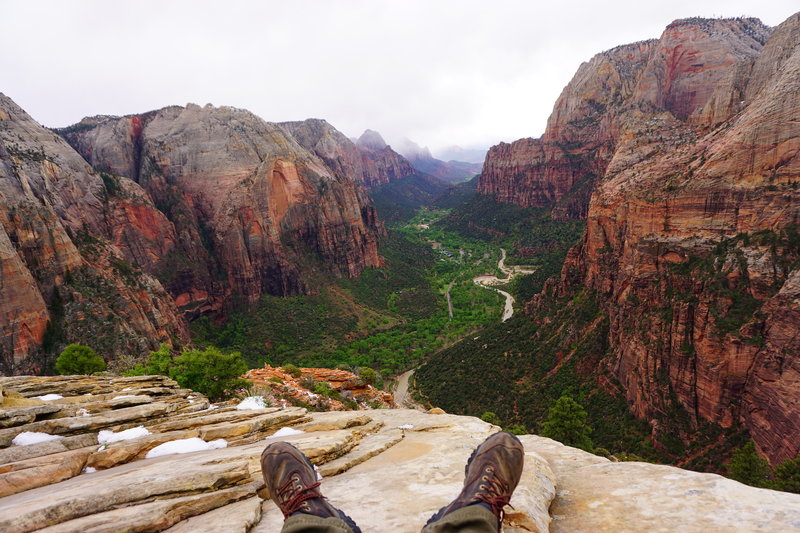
[370,161]
[66,237]
[696,71]
[116,230]
[254,211]
[692,238]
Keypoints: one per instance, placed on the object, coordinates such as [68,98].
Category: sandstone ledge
[389,469]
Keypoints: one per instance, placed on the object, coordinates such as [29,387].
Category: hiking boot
[291,482]
[491,475]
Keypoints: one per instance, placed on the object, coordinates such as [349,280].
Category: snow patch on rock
[194,444]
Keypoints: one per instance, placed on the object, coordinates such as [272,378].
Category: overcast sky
[441,72]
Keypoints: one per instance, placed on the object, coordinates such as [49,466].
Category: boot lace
[494,492]
[293,495]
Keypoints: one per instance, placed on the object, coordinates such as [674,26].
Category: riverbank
[488,281]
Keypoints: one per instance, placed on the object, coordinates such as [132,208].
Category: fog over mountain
[442,73]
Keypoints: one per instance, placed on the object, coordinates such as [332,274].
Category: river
[488,281]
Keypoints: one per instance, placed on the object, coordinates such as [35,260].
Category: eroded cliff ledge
[387,468]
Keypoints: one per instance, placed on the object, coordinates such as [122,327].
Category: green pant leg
[469,519]
[306,523]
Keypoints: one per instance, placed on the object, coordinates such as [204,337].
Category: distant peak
[371,140]
[412,150]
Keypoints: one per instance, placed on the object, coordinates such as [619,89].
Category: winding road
[401,396]
[487,281]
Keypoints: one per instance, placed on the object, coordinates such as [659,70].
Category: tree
[368,375]
[292,370]
[491,418]
[517,429]
[77,359]
[159,363]
[210,371]
[748,467]
[787,476]
[566,423]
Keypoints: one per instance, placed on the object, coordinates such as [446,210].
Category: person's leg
[491,475]
[291,482]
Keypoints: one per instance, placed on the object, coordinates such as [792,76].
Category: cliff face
[692,239]
[370,162]
[389,164]
[697,72]
[248,202]
[67,235]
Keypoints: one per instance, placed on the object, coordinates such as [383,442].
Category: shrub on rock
[211,372]
[78,359]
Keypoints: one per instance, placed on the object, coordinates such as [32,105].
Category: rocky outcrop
[696,74]
[280,387]
[692,240]
[248,203]
[70,240]
[369,162]
[389,164]
[387,468]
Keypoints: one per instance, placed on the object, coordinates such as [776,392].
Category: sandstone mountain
[389,163]
[237,189]
[692,240]
[387,468]
[694,77]
[146,220]
[450,171]
[683,297]
[70,243]
[369,161]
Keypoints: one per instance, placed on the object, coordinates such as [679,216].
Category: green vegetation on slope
[527,233]
[519,369]
[400,199]
[388,318]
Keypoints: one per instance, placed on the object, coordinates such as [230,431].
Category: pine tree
[748,467]
[787,476]
[566,423]
[78,359]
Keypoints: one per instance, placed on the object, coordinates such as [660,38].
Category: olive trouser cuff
[308,523]
[470,519]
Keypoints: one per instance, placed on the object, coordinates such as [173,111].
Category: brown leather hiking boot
[291,482]
[491,475]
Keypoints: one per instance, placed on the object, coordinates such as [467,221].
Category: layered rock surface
[388,469]
[67,235]
[281,387]
[249,203]
[697,74]
[692,241]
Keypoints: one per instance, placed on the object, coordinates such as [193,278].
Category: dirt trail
[401,396]
[449,300]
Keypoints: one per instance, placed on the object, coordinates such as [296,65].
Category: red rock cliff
[692,237]
[67,240]
[249,204]
[697,71]
[368,163]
